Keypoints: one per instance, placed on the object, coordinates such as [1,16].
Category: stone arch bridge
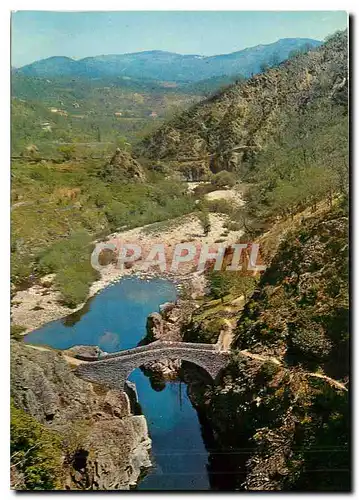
[113,369]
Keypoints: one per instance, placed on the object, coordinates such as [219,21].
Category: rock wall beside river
[167,326]
[105,446]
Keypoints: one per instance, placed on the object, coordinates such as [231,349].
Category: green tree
[67,152]
[219,283]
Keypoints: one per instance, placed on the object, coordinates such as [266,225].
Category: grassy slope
[58,209]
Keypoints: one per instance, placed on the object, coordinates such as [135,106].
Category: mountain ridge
[167,65]
[227,130]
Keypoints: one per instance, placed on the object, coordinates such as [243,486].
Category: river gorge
[114,320]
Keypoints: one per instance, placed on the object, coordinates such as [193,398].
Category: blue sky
[36,34]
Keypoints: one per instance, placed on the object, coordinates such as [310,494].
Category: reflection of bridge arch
[114,369]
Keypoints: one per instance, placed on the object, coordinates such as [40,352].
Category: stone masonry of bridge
[113,369]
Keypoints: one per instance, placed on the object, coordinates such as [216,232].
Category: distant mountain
[168,66]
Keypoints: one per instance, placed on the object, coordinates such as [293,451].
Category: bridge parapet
[114,369]
[144,348]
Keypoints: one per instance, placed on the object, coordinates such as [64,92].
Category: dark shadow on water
[75,317]
[226,460]
[157,382]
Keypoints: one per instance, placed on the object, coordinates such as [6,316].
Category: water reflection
[115,319]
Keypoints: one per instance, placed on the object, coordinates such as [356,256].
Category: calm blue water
[177,447]
[115,319]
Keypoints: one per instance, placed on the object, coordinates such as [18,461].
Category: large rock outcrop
[105,446]
[122,167]
[167,326]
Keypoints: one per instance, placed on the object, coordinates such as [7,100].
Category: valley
[149,159]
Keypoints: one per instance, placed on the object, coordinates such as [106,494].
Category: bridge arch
[116,368]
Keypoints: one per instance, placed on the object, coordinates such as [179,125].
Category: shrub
[223,179]
[16,331]
[205,188]
[205,222]
[116,214]
[269,369]
[220,206]
[67,152]
[233,226]
[311,342]
[36,454]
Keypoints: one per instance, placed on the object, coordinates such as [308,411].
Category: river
[115,319]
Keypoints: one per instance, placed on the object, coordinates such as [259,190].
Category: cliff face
[228,130]
[301,310]
[105,446]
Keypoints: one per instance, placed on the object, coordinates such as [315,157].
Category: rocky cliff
[105,446]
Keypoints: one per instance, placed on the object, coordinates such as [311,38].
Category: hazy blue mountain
[160,65]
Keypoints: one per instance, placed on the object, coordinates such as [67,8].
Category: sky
[39,34]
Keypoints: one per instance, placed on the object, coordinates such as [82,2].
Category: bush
[16,331]
[223,179]
[205,222]
[116,214]
[311,343]
[205,188]
[36,454]
[220,206]
[67,152]
[233,226]
[269,369]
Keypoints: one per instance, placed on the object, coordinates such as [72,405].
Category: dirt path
[226,335]
[260,358]
[331,381]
